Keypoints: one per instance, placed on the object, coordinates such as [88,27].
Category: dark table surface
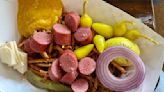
[159,14]
[141,9]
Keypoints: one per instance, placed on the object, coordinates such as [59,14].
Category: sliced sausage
[87,66]
[40,41]
[62,34]
[83,35]
[72,20]
[80,85]
[68,61]
[27,47]
[55,72]
[68,78]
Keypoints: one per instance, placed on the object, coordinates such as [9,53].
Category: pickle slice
[46,84]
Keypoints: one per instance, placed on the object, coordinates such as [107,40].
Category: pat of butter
[13,46]
[12,56]
[22,65]
[7,56]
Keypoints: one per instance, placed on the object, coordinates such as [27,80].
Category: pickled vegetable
[85,20]
[103,29]
[121,41]
[121,28]
[134,34]
[83,51]
[122,61]
[99,42]
[46,84]
[34,15]
[125,62]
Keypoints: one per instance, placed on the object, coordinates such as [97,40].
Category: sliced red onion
[118,84]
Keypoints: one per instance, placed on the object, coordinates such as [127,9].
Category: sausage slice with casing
[68,78]
[83,35]
[80,85]
[55,72]
[72,21]
[27,47]
[62,35]
[68,61]
[87,66]
[40,41]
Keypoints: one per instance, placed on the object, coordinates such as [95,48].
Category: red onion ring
[109,80]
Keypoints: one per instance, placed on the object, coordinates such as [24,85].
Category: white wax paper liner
[100,11]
